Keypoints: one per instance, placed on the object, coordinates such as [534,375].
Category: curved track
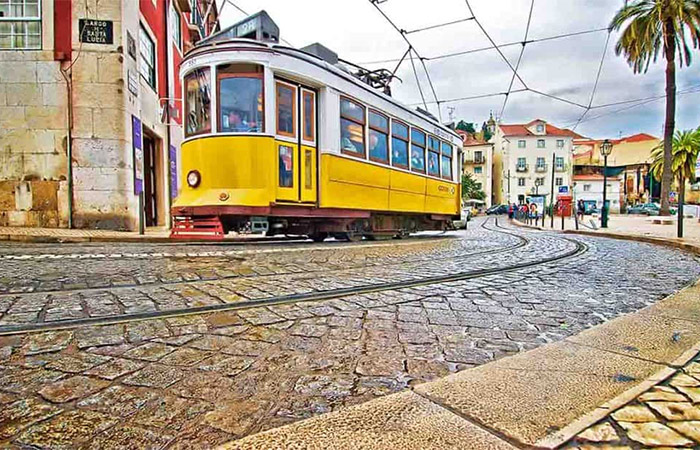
[578,248]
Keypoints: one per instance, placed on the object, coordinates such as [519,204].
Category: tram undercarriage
[359,224]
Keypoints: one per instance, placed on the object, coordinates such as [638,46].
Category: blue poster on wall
[137,143]
[173,171]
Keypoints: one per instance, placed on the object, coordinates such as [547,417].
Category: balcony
[521,168]
[479,159]
[541,168]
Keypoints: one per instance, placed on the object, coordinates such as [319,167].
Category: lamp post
[605,150]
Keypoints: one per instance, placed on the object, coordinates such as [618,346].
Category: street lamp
[605,150]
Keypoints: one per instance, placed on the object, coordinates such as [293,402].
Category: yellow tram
[280,140]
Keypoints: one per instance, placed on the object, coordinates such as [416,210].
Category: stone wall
[33,137]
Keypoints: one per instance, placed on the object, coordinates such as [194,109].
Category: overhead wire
[412,49]
[432,27]
[410,55]
[597,79]
[520,58]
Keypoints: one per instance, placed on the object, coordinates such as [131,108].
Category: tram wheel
[318,237]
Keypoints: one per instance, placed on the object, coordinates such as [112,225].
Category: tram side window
[309,116]
[352,127]
[240,98]
[378,137]
[286,110]
[446,161]
[399,144]
[433,156]
[417,150]
[198,102]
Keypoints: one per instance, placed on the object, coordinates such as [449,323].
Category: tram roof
[223,44]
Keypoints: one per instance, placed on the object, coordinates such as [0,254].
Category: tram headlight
[193,178]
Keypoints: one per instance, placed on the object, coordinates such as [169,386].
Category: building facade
[589,188]
[477,161]
[629,162]
[90,109]
[528,157]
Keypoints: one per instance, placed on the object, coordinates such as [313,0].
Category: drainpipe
[168,216]
[69,143]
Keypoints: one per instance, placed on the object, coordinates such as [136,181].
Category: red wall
[155,18]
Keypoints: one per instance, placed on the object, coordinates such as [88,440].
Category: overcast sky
[564,67]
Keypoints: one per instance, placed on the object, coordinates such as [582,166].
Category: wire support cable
[597,80]
[520,58]
[432,27]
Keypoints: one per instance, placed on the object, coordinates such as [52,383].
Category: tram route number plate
[96,31]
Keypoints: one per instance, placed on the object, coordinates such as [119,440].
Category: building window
[586,188]
[352,127]
[559,162]
[560,143]
[198,102]
[433,156]
[20,24]
[147,65]
[399,144]
[521,182]
[521,143]
[240,94]
[522,163]
[539,181]
[540,143]
[478,157]
[559,181]
[478,170]
[176,27]
[417,150]
[378,137]
[540,128]
[540,163]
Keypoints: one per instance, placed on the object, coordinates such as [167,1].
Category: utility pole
[551,200]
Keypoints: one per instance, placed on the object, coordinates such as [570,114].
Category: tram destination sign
[96,31]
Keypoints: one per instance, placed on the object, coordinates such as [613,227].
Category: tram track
[522,242]
[579,248]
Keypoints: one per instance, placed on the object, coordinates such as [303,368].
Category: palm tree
[653,26]
[686,147]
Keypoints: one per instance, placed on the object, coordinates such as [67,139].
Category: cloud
[564,68]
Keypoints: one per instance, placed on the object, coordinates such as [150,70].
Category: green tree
[685,147]
[471,189]
[652,26]
[466,126]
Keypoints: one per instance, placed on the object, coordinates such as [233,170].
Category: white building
[527,157]
[589,188]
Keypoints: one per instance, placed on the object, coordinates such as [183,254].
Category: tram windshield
[240,100]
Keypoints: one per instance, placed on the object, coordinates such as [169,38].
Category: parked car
[465,217]
[497,209]
[647,209]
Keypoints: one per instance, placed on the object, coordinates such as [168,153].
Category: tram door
[295,142]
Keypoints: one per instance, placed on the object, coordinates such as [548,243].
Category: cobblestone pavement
[193,381]
[667,415]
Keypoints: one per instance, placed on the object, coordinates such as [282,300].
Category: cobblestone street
[188,346]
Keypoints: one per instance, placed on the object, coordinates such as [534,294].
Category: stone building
[528,157]
[86,89]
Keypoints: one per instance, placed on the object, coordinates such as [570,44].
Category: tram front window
[197,102]
[240,102]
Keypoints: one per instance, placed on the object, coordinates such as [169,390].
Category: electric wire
[410,55]
[520,58]
[413,49]
[432,27]
[597,79]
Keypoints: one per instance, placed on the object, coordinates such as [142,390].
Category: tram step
[208,228]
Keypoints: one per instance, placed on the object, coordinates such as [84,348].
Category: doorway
[153,181]
[297,153]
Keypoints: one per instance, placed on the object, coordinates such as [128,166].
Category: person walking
[533,213]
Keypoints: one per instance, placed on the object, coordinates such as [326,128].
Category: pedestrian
[580,209]
[533,212]
[510,211]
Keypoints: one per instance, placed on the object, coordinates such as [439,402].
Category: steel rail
[579,248]
[463,256]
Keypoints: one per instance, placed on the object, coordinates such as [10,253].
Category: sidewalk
[592,390]
[58,235]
